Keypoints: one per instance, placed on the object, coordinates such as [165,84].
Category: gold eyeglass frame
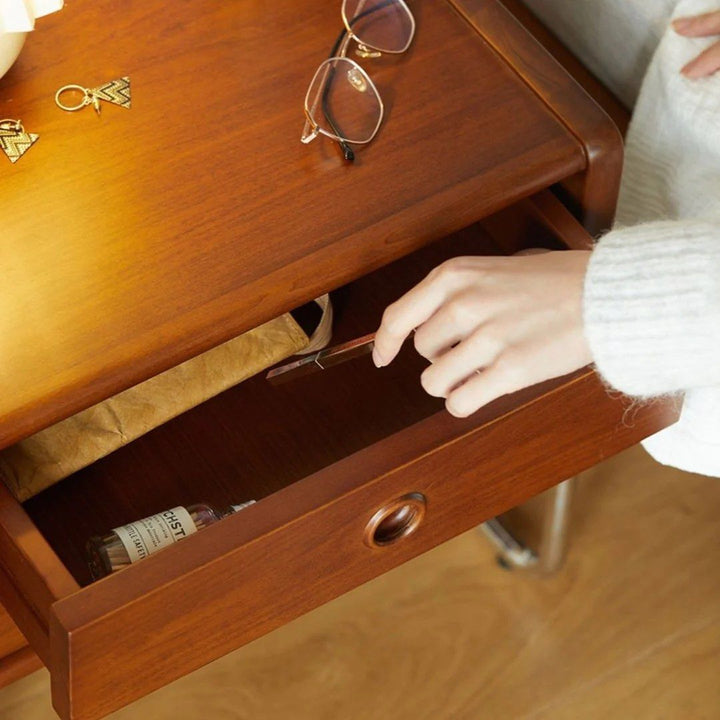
[311,129]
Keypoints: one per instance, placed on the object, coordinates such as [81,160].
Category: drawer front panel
[305,545]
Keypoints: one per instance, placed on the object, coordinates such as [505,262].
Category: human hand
[708,62]
[491,325]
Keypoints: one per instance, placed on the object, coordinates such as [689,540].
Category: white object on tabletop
[17,17]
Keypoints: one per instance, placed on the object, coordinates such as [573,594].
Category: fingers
[698,26]
[458,318]
[704,64]
[491,326]
[500,379]
[519,366]
[532,251]
[453,368]
[402,317]
[413,309]
[708,62]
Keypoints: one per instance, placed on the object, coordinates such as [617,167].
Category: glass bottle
[129,543]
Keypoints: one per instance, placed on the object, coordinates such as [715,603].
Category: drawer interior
[257,438]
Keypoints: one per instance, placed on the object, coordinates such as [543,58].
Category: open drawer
[355,471]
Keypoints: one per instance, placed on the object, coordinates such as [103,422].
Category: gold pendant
[115,91]
[14,141]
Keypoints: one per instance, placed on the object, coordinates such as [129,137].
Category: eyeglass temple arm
[347,151]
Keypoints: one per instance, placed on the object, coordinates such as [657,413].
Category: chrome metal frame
[550,555]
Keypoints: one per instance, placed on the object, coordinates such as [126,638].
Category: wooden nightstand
[141,239]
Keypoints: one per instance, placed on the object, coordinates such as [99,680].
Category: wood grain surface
[134,241]
[619,114]
[630,628]
[594,193]
[256,438]
[18,664]
[168,231]
[31,575]
[302,544]
[11,639]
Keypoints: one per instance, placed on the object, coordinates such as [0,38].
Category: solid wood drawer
[16,658]
[322,455]
[11,639]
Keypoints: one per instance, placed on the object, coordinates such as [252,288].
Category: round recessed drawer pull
[395,520]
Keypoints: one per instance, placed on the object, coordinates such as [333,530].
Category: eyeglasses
[342,101]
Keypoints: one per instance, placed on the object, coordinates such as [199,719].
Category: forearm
[652,307]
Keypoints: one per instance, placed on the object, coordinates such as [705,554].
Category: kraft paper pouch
[33,464]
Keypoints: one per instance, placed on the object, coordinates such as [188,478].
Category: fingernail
[681,24]
[377,359]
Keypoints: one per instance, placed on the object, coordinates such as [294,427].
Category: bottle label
[146,536]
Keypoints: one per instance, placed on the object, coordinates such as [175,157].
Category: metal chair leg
[553,542]
[511,552]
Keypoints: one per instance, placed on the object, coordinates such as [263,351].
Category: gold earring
[116,92]
[14,141]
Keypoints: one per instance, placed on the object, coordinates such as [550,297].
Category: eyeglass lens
[384,25]
[344,102]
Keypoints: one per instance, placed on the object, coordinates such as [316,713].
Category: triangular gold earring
[115,91]
[14,141]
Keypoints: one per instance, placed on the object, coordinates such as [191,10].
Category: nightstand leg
[553,542]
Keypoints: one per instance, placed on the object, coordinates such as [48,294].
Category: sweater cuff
[652,307]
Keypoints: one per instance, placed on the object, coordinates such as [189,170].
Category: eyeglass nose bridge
[363,51]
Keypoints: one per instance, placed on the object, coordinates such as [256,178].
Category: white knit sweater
[652,294]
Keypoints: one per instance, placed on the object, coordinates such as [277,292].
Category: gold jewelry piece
[14,141]
[116,92]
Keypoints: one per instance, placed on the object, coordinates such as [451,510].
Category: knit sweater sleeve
[652,307]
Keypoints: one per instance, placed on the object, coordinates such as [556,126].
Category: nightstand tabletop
[136,240]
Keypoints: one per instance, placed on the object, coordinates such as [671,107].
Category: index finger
[707,63]
[698,25]
[406,314]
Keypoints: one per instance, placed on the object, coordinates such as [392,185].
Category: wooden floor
[630,629]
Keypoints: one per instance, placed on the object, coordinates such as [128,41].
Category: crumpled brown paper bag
[43,459]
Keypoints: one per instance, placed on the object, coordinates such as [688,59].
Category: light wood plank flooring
[629,629]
